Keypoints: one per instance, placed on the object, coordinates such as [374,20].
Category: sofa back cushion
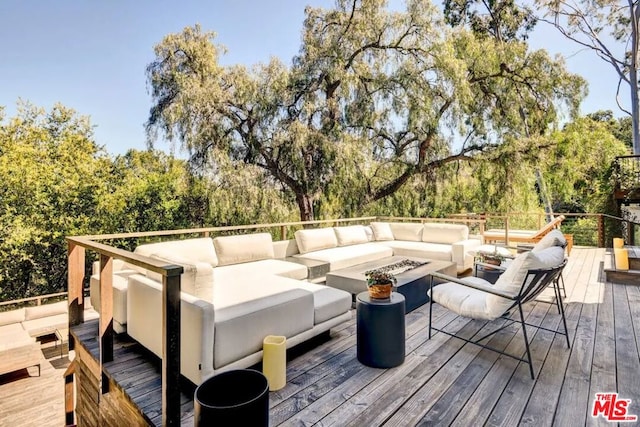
[197,278]
[243,248]
[350,235]
[444,233]
[411,232]
[315,239]
[381,231]
[46,310]
[195,250]
[552,238]
[513,277]
[13,316]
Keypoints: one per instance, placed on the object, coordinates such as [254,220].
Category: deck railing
[626,171]
[78,245]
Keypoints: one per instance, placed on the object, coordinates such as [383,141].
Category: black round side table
[381,330]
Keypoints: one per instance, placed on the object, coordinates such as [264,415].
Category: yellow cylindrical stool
[621,256]
[618,242]
[274,361]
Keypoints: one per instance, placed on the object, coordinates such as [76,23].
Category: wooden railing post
[75,277]
[601,239]
[630,235]
[106,309]
[171,348]
[283,232]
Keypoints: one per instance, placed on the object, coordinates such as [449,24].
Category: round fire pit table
[380,330]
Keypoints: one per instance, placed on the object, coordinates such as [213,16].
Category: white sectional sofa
[19,330]
[347,246]
[238,289]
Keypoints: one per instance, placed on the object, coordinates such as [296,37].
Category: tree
[374,98]
[590,24]
[50,173]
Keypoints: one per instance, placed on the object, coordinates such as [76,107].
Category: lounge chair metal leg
[526,341]
[430,304]
[564,319]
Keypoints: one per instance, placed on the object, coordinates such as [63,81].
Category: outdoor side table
[380,330]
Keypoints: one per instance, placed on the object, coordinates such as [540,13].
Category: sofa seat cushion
[346,256]
[243,248]
[10,328]
[246,312]
[327,302]
[230,273]
[419,249]
[468,302]
[16,339]
[46,325]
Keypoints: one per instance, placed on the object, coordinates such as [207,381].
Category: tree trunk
[305,205]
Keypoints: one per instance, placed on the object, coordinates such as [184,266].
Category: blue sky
[91,55]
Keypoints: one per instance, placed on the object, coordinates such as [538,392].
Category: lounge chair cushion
[552,238]
[444,233]
[466,301]
[243,248]
[12,316]
[408,231]
[315,240]
[513,277]
[381,231]
[350,235]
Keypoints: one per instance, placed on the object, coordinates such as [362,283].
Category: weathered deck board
[443,381]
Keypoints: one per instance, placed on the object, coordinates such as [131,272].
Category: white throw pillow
[197,277]
[315,239]
[444,233]
[243,248]
[552,238]
[407,231]
[350,235]
[200,249]
[381,231]
[512,279]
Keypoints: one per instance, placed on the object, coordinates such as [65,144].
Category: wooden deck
[443,381]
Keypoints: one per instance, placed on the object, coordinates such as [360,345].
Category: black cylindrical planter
[233,398]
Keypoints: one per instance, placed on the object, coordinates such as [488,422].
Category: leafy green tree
[50,171]
[373,99]
[609,28]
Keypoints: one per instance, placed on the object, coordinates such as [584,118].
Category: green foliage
[50,170]
[373,99]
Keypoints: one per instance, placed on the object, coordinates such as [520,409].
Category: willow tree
[373,99]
